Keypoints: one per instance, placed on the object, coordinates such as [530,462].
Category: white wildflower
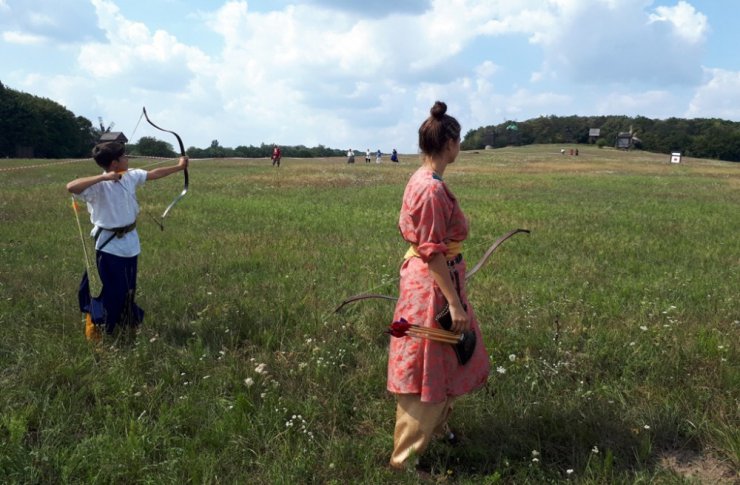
[249,381]
[501,370]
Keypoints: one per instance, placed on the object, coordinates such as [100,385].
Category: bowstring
[92,277]
[156,221]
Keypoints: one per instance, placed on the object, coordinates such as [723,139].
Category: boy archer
[111,200]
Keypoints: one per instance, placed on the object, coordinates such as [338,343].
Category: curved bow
[185,172]
[489,251]
[468,275]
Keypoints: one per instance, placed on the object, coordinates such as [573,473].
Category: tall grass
[612,327]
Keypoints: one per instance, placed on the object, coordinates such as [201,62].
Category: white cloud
[486,69]
[718,98]
[686,21]
[364,74]
[621,42]
[149,61]
[22,38]
[65,90]
[375,7]
[654,104]
[54,21]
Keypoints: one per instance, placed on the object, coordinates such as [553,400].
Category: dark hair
[107,152]
[437,130]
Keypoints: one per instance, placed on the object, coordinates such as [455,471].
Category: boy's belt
[118,232]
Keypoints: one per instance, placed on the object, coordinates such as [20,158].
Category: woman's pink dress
[430,218]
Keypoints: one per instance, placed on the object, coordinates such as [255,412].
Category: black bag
[465,348]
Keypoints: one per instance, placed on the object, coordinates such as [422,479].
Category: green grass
[614,325]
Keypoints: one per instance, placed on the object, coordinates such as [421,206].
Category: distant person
[276,156]
[576,151]
[426,376]
[378,156]
[394,156]
[350,156]
[111,201]
[562,151]
[367,156]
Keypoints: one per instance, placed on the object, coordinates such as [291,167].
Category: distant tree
[151,147]
[40,127]
[706,138]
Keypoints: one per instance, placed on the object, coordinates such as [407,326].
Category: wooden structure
[593,134]
[624,140]
[113,136]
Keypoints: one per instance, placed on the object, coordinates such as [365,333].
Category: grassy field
[613,327]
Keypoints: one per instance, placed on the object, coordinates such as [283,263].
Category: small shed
[593,134]
[624,140]
[113,136]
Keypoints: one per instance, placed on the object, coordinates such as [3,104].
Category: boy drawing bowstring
[111,200]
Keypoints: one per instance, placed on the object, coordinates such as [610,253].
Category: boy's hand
[183,163]
[115,176]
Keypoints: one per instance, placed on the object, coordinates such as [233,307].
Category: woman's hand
[460,321]
[183,163]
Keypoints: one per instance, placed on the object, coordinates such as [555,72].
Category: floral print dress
[430,219]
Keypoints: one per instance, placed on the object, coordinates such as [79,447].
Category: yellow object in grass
[92,332]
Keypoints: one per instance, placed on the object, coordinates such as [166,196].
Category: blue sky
[363,74]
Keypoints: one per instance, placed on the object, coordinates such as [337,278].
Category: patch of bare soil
[701,468]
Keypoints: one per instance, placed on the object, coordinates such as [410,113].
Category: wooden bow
[468,275]
[185,172]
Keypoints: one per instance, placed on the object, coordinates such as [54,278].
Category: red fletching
[399,328]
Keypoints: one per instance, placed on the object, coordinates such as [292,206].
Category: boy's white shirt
[113,204]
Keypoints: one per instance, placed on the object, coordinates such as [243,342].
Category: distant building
[593,134]
[624,140]
[113,136]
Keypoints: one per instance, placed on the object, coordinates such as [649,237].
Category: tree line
[699,137]
[152,147]
[35,127]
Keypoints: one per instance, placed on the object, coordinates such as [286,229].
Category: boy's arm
[158,173]
[77,186]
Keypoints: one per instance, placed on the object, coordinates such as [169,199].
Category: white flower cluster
[300,424]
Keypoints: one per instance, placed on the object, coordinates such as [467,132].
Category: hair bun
[439,109]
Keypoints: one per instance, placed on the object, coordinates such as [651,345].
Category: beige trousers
[416,424]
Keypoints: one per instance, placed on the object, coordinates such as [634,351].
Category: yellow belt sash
[453,249]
